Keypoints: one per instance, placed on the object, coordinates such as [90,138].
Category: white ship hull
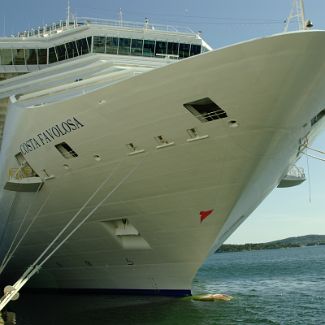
[271,87]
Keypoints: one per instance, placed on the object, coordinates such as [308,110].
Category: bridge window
[99,44]
[184,50]
[136,48]
[5,57]
[111,45]
[31,56]
[42,56]
[89,42]
[52,55]
[71,49]
[124,46]
[102,44]
[82,46]
[66,51]
[195,49]
[25,56]
[161,48]
[19,56]
[149,48]
[173,49]
[61,52]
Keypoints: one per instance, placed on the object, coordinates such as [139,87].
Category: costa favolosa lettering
[50,134]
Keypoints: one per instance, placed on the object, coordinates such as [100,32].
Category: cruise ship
[132,151]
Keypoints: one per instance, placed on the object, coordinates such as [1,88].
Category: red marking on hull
[205,214]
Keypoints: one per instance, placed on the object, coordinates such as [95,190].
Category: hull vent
[125,234]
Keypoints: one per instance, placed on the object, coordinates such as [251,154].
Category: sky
[285,212]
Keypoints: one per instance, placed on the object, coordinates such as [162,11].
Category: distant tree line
[272,245]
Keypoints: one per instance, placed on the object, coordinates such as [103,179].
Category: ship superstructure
[148,142]
[125,42]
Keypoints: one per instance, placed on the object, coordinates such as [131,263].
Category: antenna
[68,13]
[298,13]
[120,17]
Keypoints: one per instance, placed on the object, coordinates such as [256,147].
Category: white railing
[296,172]
[20,173]
[63,25]
[47,30]
[135,25]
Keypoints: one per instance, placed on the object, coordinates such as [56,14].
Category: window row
[140,47]
[23,56]
[101,44]
[70,50]
[45,56]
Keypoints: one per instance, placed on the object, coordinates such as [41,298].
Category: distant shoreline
[302,241]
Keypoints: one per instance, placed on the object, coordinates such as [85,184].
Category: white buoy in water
[212,297]
[9,289]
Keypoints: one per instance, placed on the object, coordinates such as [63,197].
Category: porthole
[233,124]
[97,157]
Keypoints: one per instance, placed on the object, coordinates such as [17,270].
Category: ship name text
[50,134]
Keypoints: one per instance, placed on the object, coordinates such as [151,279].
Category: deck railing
[296,171]
[21,172]
[77,22]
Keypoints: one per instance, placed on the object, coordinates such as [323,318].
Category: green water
[285,286]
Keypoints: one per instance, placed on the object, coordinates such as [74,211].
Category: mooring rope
[7,221]
[309,179]
[4,264]
[316,150]
[9,254]
[76,214]
[91,213]
[8,257]
[312,156]
[35,267]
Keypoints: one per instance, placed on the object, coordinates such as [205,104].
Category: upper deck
[37,48]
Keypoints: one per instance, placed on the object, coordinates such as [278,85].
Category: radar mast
[69,13]
[297,14]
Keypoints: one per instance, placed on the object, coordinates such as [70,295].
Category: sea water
[282,286]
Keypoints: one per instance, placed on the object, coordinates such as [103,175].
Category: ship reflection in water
[64,309]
